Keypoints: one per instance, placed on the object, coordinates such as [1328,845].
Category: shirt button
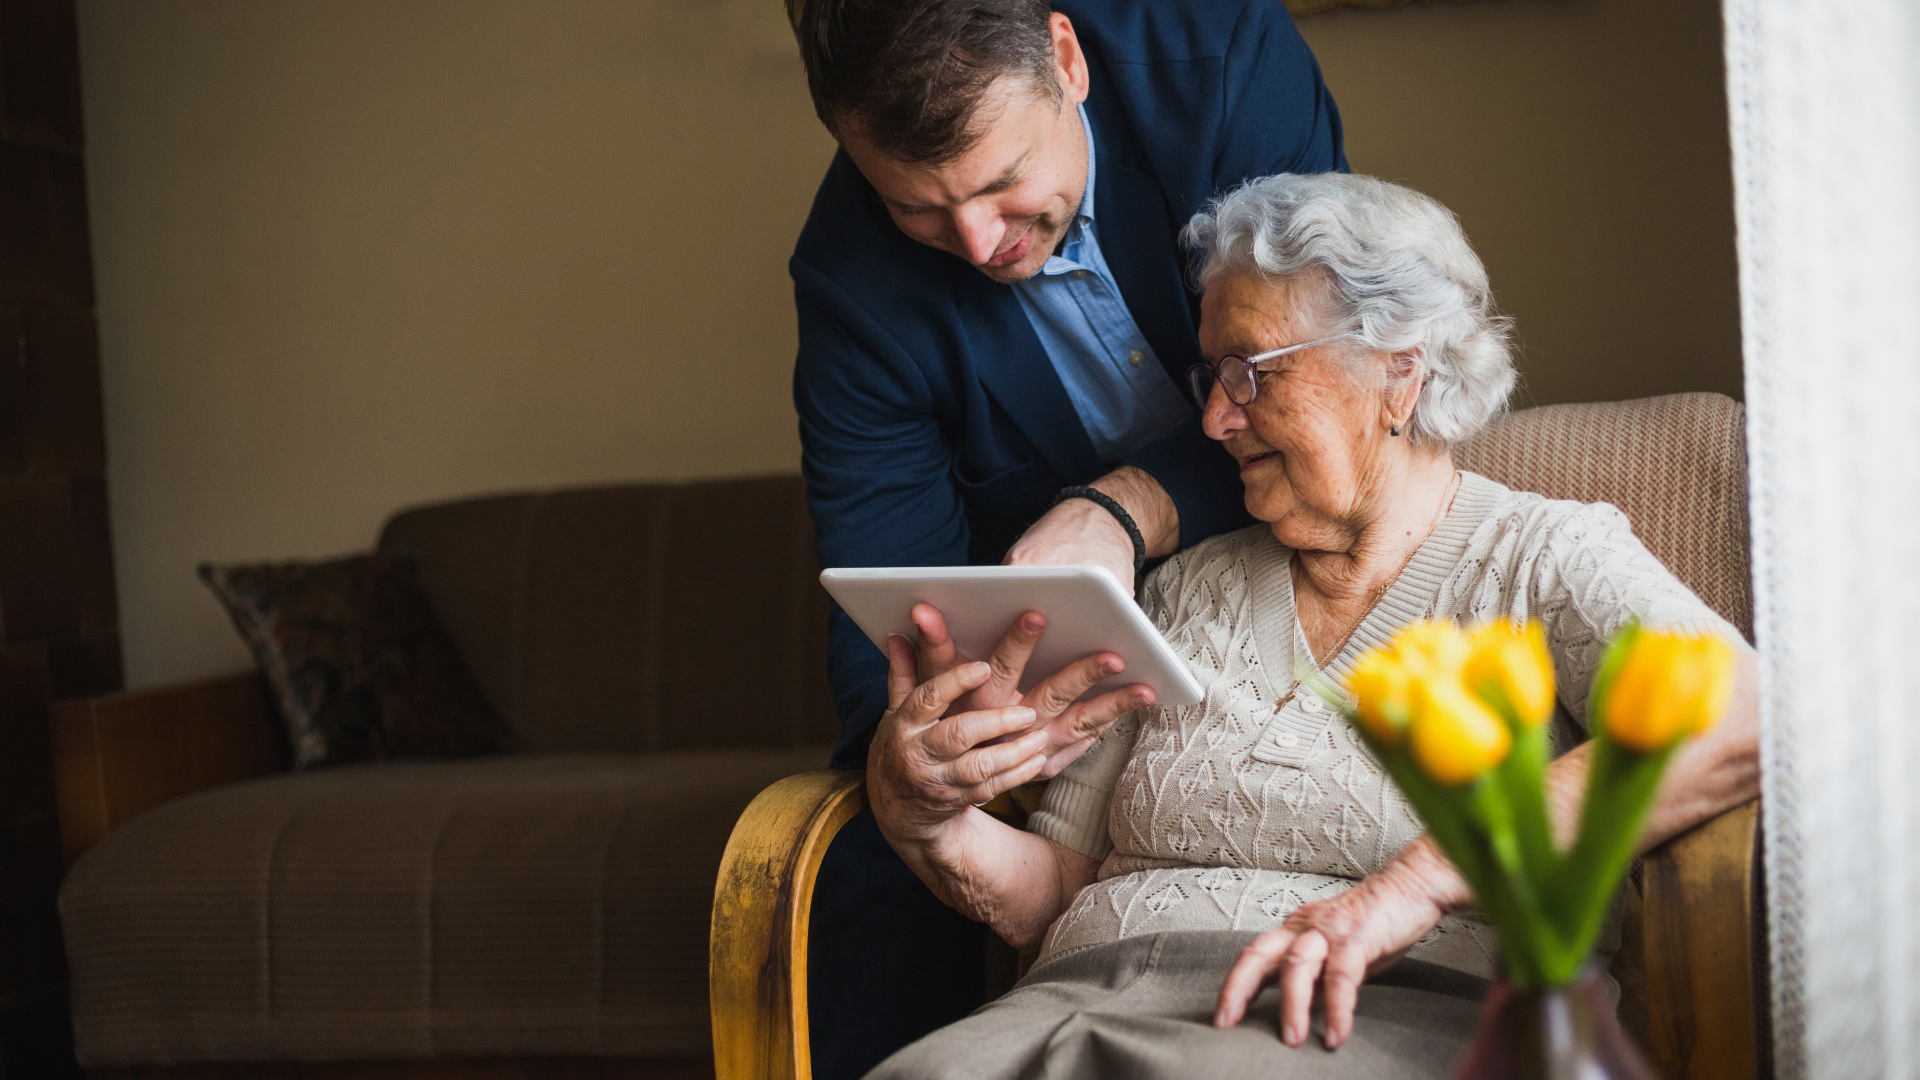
[1135,358]
[1310,703]
[1078,274]
[1286,738]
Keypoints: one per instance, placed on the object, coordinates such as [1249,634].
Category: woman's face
[1313,443]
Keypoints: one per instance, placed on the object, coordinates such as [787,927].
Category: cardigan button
[1287,739]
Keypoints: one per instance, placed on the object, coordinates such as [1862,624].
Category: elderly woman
[1188,857]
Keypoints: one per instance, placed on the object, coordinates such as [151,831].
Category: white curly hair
[1399,277]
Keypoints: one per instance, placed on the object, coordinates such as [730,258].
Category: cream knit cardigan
[1225,815]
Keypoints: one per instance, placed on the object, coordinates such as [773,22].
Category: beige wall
[354,254]
[1584,145]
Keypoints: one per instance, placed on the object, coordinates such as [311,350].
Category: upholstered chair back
[1675,465]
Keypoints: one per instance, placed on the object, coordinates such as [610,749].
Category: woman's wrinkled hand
[925,767]
[1335,945]
[967,733]
[1070,725]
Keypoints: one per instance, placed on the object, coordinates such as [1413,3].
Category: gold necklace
[1373,599]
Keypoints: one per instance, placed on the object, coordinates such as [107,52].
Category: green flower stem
[1495,814]
[1523,778]
[1450,816]
[1621,786]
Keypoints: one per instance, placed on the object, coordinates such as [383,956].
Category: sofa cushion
[529,906]
[603,619]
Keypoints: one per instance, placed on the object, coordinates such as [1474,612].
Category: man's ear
[1069,62]
[1406,374]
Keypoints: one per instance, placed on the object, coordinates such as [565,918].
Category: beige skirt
[1143,1008]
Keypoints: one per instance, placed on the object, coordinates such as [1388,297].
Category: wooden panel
[60,391]
[117,755]
[1698,929]
[694,1068]
[43,227]
[40,72]
[84,665]
[13,416]
[36,558]
[30,869]
[758,972]
[26,777]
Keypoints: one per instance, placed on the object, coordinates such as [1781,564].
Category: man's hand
[1079,531]
[1337,944]
[1071,726]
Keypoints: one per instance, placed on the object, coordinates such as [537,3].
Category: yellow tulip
[1455,737]
[1383,695]
[1509,660]
[1669,686]
[1432,648]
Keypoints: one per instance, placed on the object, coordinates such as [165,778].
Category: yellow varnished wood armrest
[758,960]
[1699,932]
[119,754]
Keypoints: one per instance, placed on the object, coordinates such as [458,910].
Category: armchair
[1676,466]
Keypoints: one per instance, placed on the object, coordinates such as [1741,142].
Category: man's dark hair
[909,75]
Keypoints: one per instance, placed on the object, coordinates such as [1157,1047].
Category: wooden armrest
[1699,932]
[757,971]
[118,754]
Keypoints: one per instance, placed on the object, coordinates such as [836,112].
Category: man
[992,309]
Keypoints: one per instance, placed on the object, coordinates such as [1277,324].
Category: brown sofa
[661,650]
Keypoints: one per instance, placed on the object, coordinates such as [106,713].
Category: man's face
[1005,204]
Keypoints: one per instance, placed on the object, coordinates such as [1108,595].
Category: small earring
[1393,431]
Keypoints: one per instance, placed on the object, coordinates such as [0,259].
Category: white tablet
[1087,612]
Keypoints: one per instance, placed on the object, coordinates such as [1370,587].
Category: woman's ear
[1406,374]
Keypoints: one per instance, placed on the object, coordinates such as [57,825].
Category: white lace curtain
[1824,99]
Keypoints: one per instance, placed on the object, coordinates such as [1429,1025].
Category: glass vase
[1565,1034]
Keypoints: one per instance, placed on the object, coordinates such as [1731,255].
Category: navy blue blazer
[933,427]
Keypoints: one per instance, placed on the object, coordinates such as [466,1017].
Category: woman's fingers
[1089,719]
[1061,689]
[1340,990]
[1255,969]
[1299,971]
[902,675]
[956,735]
[935,645]
[929,701]
[1004,780]
[982,764]
[1009,659]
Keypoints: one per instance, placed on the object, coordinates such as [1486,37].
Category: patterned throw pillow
[357,661]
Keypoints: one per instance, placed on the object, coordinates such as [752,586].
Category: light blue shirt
[1123,395]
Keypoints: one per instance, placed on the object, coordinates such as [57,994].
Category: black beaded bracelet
[1110,505]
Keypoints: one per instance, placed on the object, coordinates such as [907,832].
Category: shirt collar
[1068,258]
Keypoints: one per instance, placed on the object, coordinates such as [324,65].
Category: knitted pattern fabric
[1228,815]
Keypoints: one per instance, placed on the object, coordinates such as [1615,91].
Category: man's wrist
[1118,512]
[1152,509]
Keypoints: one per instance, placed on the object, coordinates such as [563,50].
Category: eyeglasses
[1238,374]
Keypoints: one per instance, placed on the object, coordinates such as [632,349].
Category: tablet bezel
[1087,612]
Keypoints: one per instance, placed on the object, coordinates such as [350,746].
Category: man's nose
[1221,419]
[979,230]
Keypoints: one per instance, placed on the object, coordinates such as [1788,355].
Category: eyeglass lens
[1234,371]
